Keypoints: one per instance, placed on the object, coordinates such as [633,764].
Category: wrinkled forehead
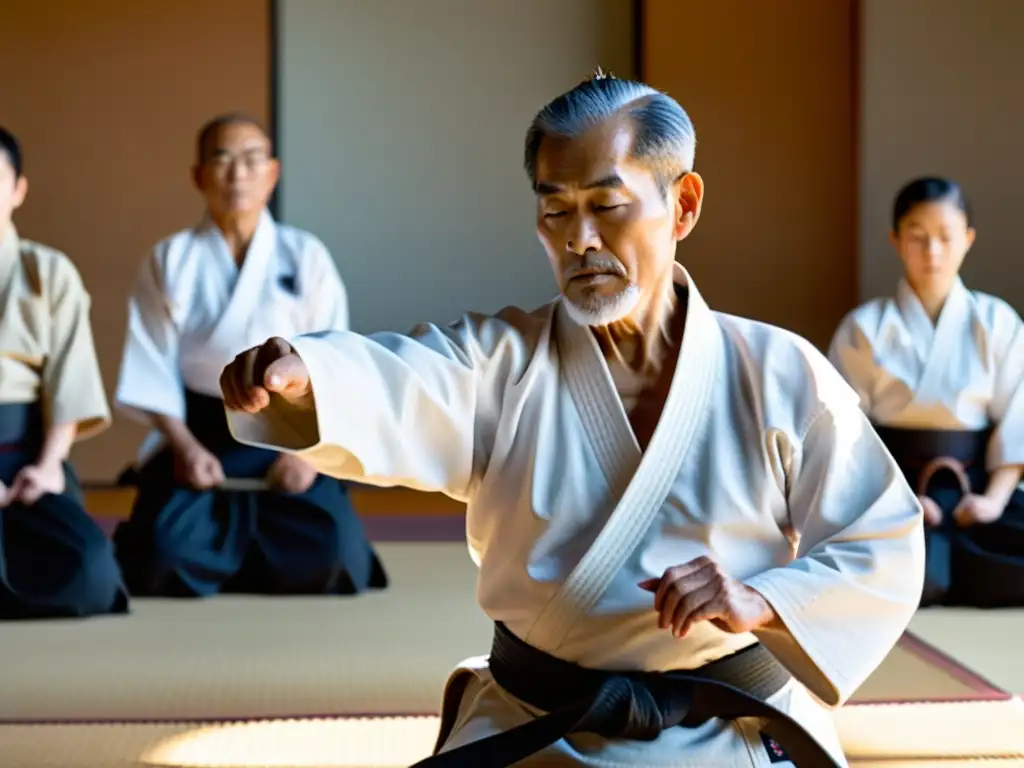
[603,152]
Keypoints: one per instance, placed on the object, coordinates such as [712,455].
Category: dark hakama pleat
[181,542]
[55,561]
[979,566]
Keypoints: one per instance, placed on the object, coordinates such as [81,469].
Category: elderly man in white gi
[690,540]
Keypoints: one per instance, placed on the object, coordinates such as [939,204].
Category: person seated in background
[212,515]
[939,370]
[55,561]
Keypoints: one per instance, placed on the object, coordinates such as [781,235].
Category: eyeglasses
[252,161]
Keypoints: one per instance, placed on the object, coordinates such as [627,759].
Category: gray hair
[665,137]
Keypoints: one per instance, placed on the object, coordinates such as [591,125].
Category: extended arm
[390,409]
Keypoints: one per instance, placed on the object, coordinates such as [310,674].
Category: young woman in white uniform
[939,369]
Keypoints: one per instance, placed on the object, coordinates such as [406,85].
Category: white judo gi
[761,445]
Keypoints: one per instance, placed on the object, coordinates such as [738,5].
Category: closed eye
[554,214]
[602,208]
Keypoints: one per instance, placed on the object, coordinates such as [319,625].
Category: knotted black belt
[629,705]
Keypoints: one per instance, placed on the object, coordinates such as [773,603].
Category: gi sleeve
[72,384]
[150,378]
[858,574]
[392,409]
[1006,409]
[851,355]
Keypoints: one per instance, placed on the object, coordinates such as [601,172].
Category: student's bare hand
[291,474]
[932,511]
[977,509]
[701,591]
[34,482]
[195,467]
[248,380]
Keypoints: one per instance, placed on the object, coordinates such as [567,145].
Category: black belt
[629,705]
[914,448]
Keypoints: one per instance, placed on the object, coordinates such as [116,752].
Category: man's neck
[648,338]
[238,231]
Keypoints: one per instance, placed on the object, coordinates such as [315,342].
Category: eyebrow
[613,181]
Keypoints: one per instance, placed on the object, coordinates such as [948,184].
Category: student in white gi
[55,561]
[196,527]
[940,371]
[651,485]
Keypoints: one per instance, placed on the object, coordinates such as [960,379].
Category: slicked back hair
[210,128]
[665,137]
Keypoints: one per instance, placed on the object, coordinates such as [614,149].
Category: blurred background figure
[201,522]
[55,561]
[940,371]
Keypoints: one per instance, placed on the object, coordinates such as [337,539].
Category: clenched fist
[700,591]
[252,376]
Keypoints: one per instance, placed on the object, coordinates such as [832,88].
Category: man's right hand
[273,367]
[196,467]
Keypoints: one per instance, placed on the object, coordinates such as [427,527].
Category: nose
[584,237]
[934,248]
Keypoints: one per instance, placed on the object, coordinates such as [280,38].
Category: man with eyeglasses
[212,515]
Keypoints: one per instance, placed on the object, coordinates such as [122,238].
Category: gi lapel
[645,483]
[250,287]
[943,341]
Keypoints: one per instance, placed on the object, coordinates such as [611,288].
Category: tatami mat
[380,652]
[987,641]
[244,658]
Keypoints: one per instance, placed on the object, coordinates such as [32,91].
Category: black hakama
[181,542]
[980,565]
[55,561]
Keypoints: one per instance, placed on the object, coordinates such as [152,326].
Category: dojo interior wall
[106,97]
[770,88]
[400,128]
[940,85]
[418,176]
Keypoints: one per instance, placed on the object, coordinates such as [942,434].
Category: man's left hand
[34,482]
[291,474]
[977,509]
[701,591]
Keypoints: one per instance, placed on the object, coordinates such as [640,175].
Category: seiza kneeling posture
[55,561]
[940,372]
[680,517]
[212,515]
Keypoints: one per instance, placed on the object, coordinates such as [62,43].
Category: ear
[971,233]
[688,193]
[197,177]
[20,191]
[274,172]
[894,239]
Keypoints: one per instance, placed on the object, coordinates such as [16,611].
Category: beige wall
[402,143]
[770,88]
[941,84]
[106,96]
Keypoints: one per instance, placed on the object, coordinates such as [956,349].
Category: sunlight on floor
[350,743]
